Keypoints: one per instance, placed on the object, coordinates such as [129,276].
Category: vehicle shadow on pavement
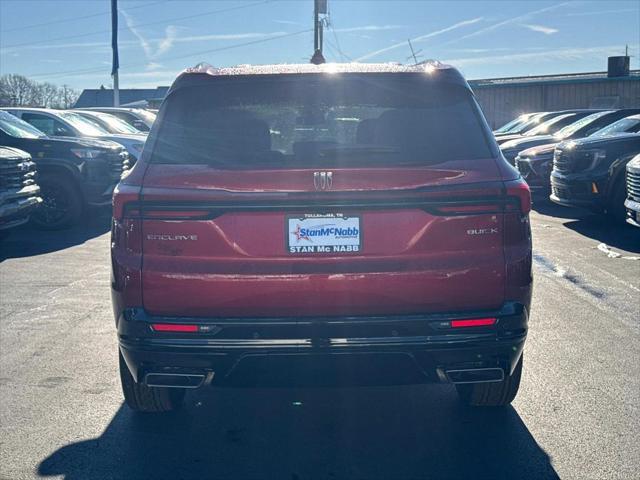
[28,241]
[544,206]
[602,229]
[598,227]
[294,433]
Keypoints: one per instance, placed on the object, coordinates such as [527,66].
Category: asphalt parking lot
[576,417]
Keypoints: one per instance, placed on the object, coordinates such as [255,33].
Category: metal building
[129,97]
[503,99]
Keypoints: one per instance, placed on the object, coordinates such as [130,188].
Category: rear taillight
[124,196]
[517,244]
[126,245]
[465,323]
[473,207]
[150,213]
[518,189]
[474,322]
[174,327]
[513,197]
[132,235]
[127,225]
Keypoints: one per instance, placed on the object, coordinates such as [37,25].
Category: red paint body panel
[417,265]
[197,179]
[412,261]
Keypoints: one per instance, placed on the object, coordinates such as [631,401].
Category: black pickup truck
[19,193]
[73,173]
[590,173]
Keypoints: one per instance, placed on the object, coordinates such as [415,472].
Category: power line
[69,19]
[329,21]
[80,35]
[178,57]
[332,48]
[338,47]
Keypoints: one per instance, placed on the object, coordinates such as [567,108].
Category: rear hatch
[301,195]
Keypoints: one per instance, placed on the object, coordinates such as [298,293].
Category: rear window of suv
[314,121]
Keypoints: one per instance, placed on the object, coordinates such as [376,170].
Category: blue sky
[45,39]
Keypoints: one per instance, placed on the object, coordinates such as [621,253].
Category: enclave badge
[165,236]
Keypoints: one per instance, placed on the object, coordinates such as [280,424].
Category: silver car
[139,118]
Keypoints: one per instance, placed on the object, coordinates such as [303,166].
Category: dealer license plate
[323,233]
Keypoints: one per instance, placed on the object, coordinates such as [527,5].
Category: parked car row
[75,172]
[547,123]
[78,124]
[577,157]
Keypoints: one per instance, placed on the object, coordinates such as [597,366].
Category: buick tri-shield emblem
[323,180]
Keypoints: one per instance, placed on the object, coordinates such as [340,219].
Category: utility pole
[115,65]
[319,8]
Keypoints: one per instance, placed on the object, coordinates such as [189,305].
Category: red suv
[338,222]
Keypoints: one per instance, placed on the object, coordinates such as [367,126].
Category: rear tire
[494,394]
[62,204]
[141,398]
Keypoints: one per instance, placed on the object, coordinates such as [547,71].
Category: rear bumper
[351,350]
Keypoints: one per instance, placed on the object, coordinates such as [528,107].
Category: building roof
[634,75]
[103,97]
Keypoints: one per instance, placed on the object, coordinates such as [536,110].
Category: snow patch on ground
[604,248]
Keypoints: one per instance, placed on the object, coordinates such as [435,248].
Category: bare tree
[5,100]
[17,90]
[46,94]
[67,96]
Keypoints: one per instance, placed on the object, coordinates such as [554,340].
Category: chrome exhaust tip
[475,375]
[174,380]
